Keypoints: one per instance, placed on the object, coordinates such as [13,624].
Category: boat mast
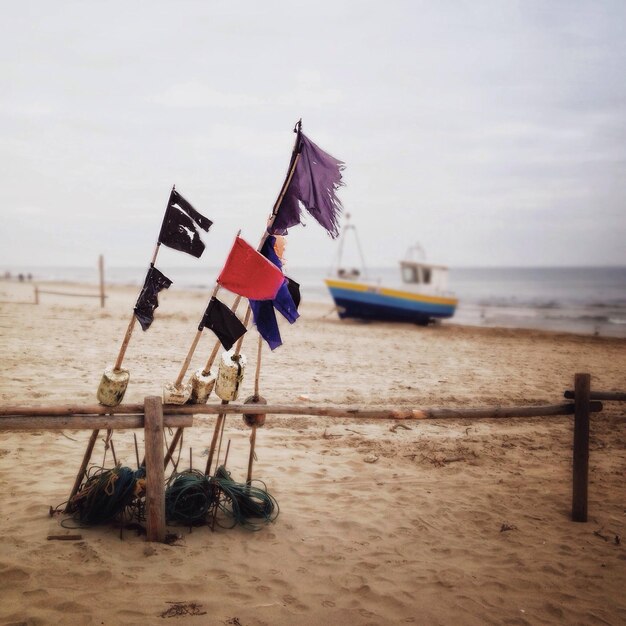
[337,263]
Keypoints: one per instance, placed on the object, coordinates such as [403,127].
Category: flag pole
[175,393]
[133,319]
[295,157]
[131,324]
[113,385]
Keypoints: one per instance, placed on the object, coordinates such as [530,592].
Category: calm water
[584,300]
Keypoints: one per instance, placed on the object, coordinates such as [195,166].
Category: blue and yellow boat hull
[363,301]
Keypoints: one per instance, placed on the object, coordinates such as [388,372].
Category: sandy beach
[433,522]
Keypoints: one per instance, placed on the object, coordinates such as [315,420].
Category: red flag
[249,274]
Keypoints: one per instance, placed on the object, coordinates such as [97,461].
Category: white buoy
[201,386]
[113,386]
[230,375]
[176,394]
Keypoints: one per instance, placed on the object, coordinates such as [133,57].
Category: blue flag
[286,302]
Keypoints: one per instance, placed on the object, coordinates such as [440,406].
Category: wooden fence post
[580,474]
[101,273]
[36,294]
[155,475]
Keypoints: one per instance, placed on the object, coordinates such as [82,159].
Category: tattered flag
[223,322]
[314,185]
[180,226]
[285,302]
[266,323]
[249,274]
[147,301]
[294,290]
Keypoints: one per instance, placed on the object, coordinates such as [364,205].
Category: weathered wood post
[36,294]
[580,474]
[101,272]
[155,474]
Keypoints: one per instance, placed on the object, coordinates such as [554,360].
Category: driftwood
[64,537]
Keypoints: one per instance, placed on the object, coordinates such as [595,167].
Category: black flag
[294,290]
[147,300]
[180,226]
[223,322]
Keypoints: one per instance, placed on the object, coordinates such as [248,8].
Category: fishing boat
[420,296]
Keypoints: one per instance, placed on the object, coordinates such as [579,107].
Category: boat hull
[363,301]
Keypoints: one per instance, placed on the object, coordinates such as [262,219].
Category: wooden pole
[170,451]
[251,457]
[257,376]
[155,475]
[36,294]
[81,422]
[216,431]
[101,273]
[131,324]
[187,361]
[580,474]
[257,373]
[609,396]
[83,468]
[125,342]
[87,412]
[219,424]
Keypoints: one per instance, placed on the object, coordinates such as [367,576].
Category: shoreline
[468,315]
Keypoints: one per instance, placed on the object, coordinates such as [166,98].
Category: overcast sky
[493,133]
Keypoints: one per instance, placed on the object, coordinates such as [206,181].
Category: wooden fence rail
[85,415]
[153,416]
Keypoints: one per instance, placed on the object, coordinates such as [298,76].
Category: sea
[584,300]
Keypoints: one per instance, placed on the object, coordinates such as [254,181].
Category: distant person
[20,277]
[7,275]
[29,276]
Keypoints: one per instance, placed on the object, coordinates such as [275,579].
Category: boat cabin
[424,274]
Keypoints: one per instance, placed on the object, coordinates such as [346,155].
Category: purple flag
[314,185]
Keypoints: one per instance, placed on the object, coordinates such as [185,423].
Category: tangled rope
[106,494]
[244,502]
[190,496]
